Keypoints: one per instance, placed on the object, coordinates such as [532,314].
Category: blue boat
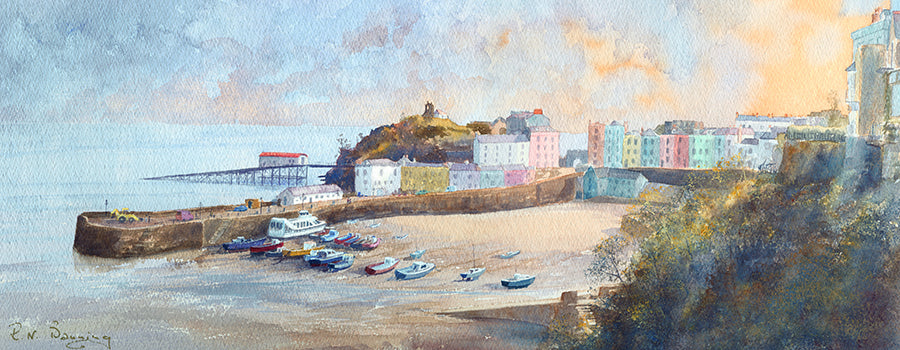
[472,274]
[508,255]
[330,236]
[345,262]
[242,243]
[352,240]
[417,254]
[517,281]
[277,253]
[417,270]
[325,257]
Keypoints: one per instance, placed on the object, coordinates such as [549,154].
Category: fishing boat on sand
[332,234]
[352,240]
[345,262]
[517,281]
[242,243]
[417,254]
[265,247]
[388,264]
[418,269]
[344,238]
[511,254]
[277,253]
[324,257]
[308,247]
[304,224]
[472,274]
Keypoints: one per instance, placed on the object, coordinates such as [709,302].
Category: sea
[49,173]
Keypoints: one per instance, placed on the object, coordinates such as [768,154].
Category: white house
[377,177]
[309,194]
[491,150]
[272,159]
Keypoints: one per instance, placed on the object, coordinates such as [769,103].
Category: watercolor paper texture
[514,174]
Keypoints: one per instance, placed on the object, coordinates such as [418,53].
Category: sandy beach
[209,299]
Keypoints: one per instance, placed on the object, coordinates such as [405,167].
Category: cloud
[368,62]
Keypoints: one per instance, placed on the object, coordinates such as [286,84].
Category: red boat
[372,245]
[265,247]
[346,238]
[388,264]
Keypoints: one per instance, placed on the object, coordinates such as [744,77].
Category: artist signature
[19,332]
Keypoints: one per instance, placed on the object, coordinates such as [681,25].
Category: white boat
[472,274]
[416,270]
[303,225]
[517,281]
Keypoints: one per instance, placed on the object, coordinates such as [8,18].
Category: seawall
[94,237]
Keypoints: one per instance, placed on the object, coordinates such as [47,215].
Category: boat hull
[515,284]
[260,249]
[472,275]
[379,268]
[405,274]
[342,264]
[236,246]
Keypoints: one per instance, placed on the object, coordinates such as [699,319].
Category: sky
[345,62]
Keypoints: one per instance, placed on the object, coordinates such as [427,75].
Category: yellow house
[428,177]
[631,150]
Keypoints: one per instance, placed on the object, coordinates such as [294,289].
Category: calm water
[51,173]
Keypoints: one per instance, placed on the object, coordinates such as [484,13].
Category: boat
[375,225]
[350,241]
[472,274]
[345,262]
[418,269]
[401,237]
[343,238]
[324,257]
[511,254]
[372,244]
[324,231]
[308,247]
[352,221]
[517,281]
[277,253]
[332,234]
[302,225]
[417,254]
[242,243]
[388,264]
[265,247]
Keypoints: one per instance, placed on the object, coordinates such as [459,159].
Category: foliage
[757,264]
[424,139]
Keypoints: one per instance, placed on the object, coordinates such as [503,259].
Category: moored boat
[308,247]
[343,238]
[363,242]
[472,274]
[350,241]
[417,254]
[304,224]
[265,247]
[517,281]
[275,253]
[418,269]
[332,234]
[388,264]
[345,262]
[242,243]
[324,257]
[511,254]
[372,244]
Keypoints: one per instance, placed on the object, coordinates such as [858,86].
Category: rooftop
[282,154]
[501,138]
[618,173]
[314,189]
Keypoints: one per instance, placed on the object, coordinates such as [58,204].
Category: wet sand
[210,299]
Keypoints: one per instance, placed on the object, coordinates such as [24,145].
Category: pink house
[673,151]
[544,148]
[514,174]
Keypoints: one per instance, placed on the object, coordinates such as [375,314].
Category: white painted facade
[309,194]
[377,177]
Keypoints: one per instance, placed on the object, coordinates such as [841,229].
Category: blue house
[649,149]
[612,182]
[614,139]
[492,176]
